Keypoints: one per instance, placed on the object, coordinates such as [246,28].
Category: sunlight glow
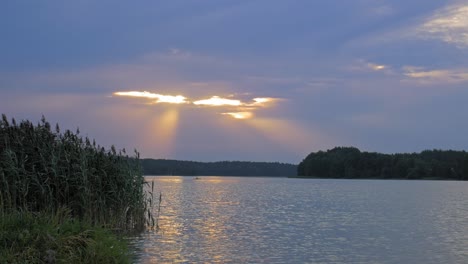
[178,99]
[240,115]
[263,101]
[376,67]
[161,131]
[298,139]
[218,101]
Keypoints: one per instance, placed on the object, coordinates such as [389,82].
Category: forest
[351,163]
[221,168]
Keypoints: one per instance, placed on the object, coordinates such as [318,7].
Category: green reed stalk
[45,170]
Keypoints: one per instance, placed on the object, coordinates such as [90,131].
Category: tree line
[221,168]
[351,163]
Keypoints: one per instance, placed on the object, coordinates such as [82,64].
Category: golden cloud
[365,66]
[241,110]
[178,99]
[218,101]
[376,67]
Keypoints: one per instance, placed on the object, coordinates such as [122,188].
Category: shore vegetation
[65,196]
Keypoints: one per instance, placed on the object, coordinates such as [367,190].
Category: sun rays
[287,134]
[239,115]
[162,130]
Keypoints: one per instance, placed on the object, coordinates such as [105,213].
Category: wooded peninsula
[351,163]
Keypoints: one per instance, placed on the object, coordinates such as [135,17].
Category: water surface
[281,220]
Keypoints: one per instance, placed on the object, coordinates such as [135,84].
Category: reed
[45,170]
[27,237]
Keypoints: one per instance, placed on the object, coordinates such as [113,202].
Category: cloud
[218,101]
[449,25]
[263,101]
[213,101]
[436,76]
[376,67]
[177,99]
[363,65]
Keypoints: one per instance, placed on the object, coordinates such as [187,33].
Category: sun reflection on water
[201,229]
[271,220]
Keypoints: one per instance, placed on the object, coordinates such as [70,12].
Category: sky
[258,80]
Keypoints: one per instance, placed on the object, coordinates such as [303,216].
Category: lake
[281,220]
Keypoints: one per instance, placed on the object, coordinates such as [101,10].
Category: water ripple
[271,220]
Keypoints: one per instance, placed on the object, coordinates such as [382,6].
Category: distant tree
[350,162]
[222,168]
[464,168]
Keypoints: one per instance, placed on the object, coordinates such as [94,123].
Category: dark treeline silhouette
[351,163]
[221,168]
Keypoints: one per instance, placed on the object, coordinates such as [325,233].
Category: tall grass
[44,170]
[27,237]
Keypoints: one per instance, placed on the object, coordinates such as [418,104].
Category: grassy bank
[63,191]
[27,237]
